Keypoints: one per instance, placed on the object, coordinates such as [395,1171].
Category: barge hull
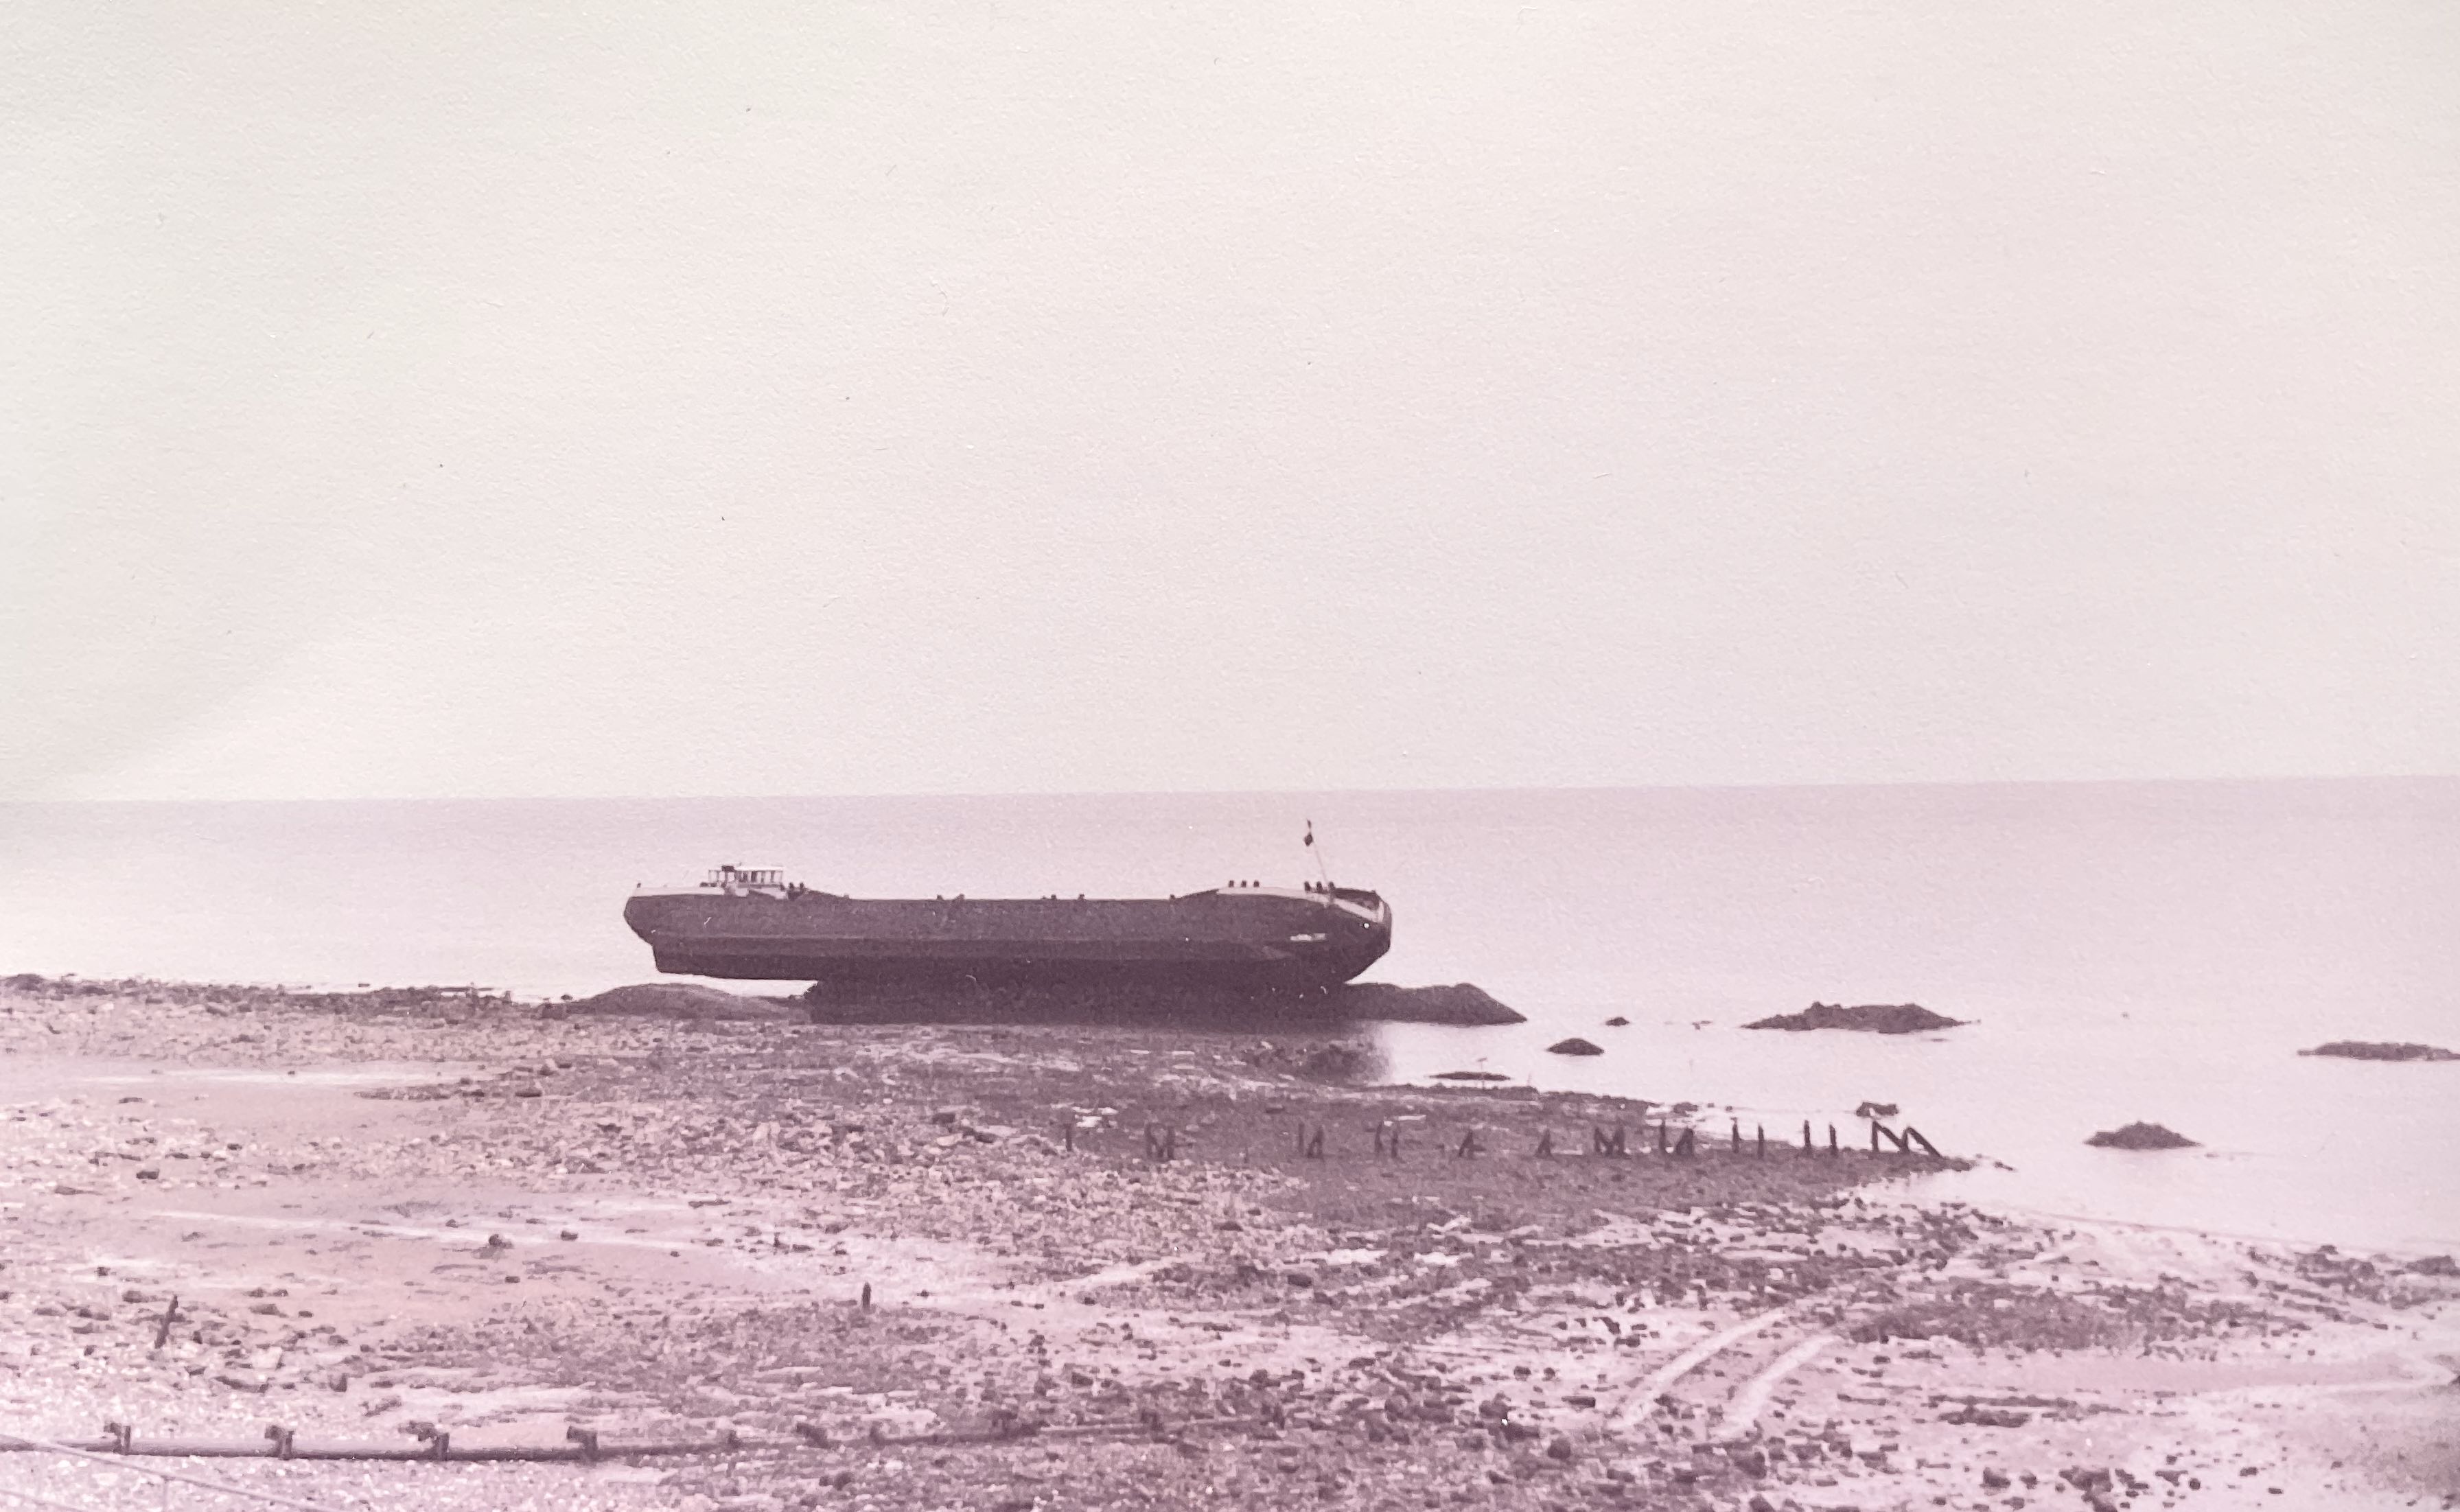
[1249,939]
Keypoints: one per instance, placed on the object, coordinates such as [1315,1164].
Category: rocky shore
[1461,1004]
[1069,1265]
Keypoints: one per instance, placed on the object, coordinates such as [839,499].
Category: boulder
[1573,1046]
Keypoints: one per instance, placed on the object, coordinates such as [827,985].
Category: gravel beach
[1053,1266]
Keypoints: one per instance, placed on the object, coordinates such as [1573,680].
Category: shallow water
[2125,952]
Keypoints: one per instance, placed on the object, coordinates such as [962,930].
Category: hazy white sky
[402,399]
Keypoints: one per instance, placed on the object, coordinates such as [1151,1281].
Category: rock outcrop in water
[1460,1003]
[2378,1050]
[2141,1137]
[1573,1046]
[1876,1018]
[679,1000]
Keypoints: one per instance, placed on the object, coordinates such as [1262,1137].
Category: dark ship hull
[1246,939]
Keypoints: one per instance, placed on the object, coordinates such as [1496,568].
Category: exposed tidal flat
[1106,1266]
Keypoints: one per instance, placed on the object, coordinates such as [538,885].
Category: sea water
[2153,951]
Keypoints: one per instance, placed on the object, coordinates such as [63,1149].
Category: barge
[1245,936]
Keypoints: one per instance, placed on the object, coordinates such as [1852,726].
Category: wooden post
[1661,1135]
[170,1316]
[1832,1140]
[1806,1136]
[1686,1145]
[1928,1148]
[1315,1144]
[1734,1135]
[1875,1136]
[1467,1144]
[1545,1145]
[866,1297]
[1760,1135]
[1068,1133]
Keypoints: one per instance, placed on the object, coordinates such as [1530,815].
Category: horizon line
[2307,779]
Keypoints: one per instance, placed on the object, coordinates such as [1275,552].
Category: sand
[447,1211]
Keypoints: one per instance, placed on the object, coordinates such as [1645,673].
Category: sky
[420,400]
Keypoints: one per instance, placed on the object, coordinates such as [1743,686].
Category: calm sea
[2155,951]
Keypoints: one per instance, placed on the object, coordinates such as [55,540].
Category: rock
[1573,1046]
[2434,1265]
[680,1000]
[1994,1479]
[1470,1076]
[1877,1018]
[2141,1137]
[1972,1416]
[1875,1110]
[1617,1022]
[1341,1060]
[1460,1003]
[2376,1050]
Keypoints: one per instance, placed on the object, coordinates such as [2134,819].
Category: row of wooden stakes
[1161,1141]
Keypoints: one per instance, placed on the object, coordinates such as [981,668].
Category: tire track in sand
[1644,1396]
